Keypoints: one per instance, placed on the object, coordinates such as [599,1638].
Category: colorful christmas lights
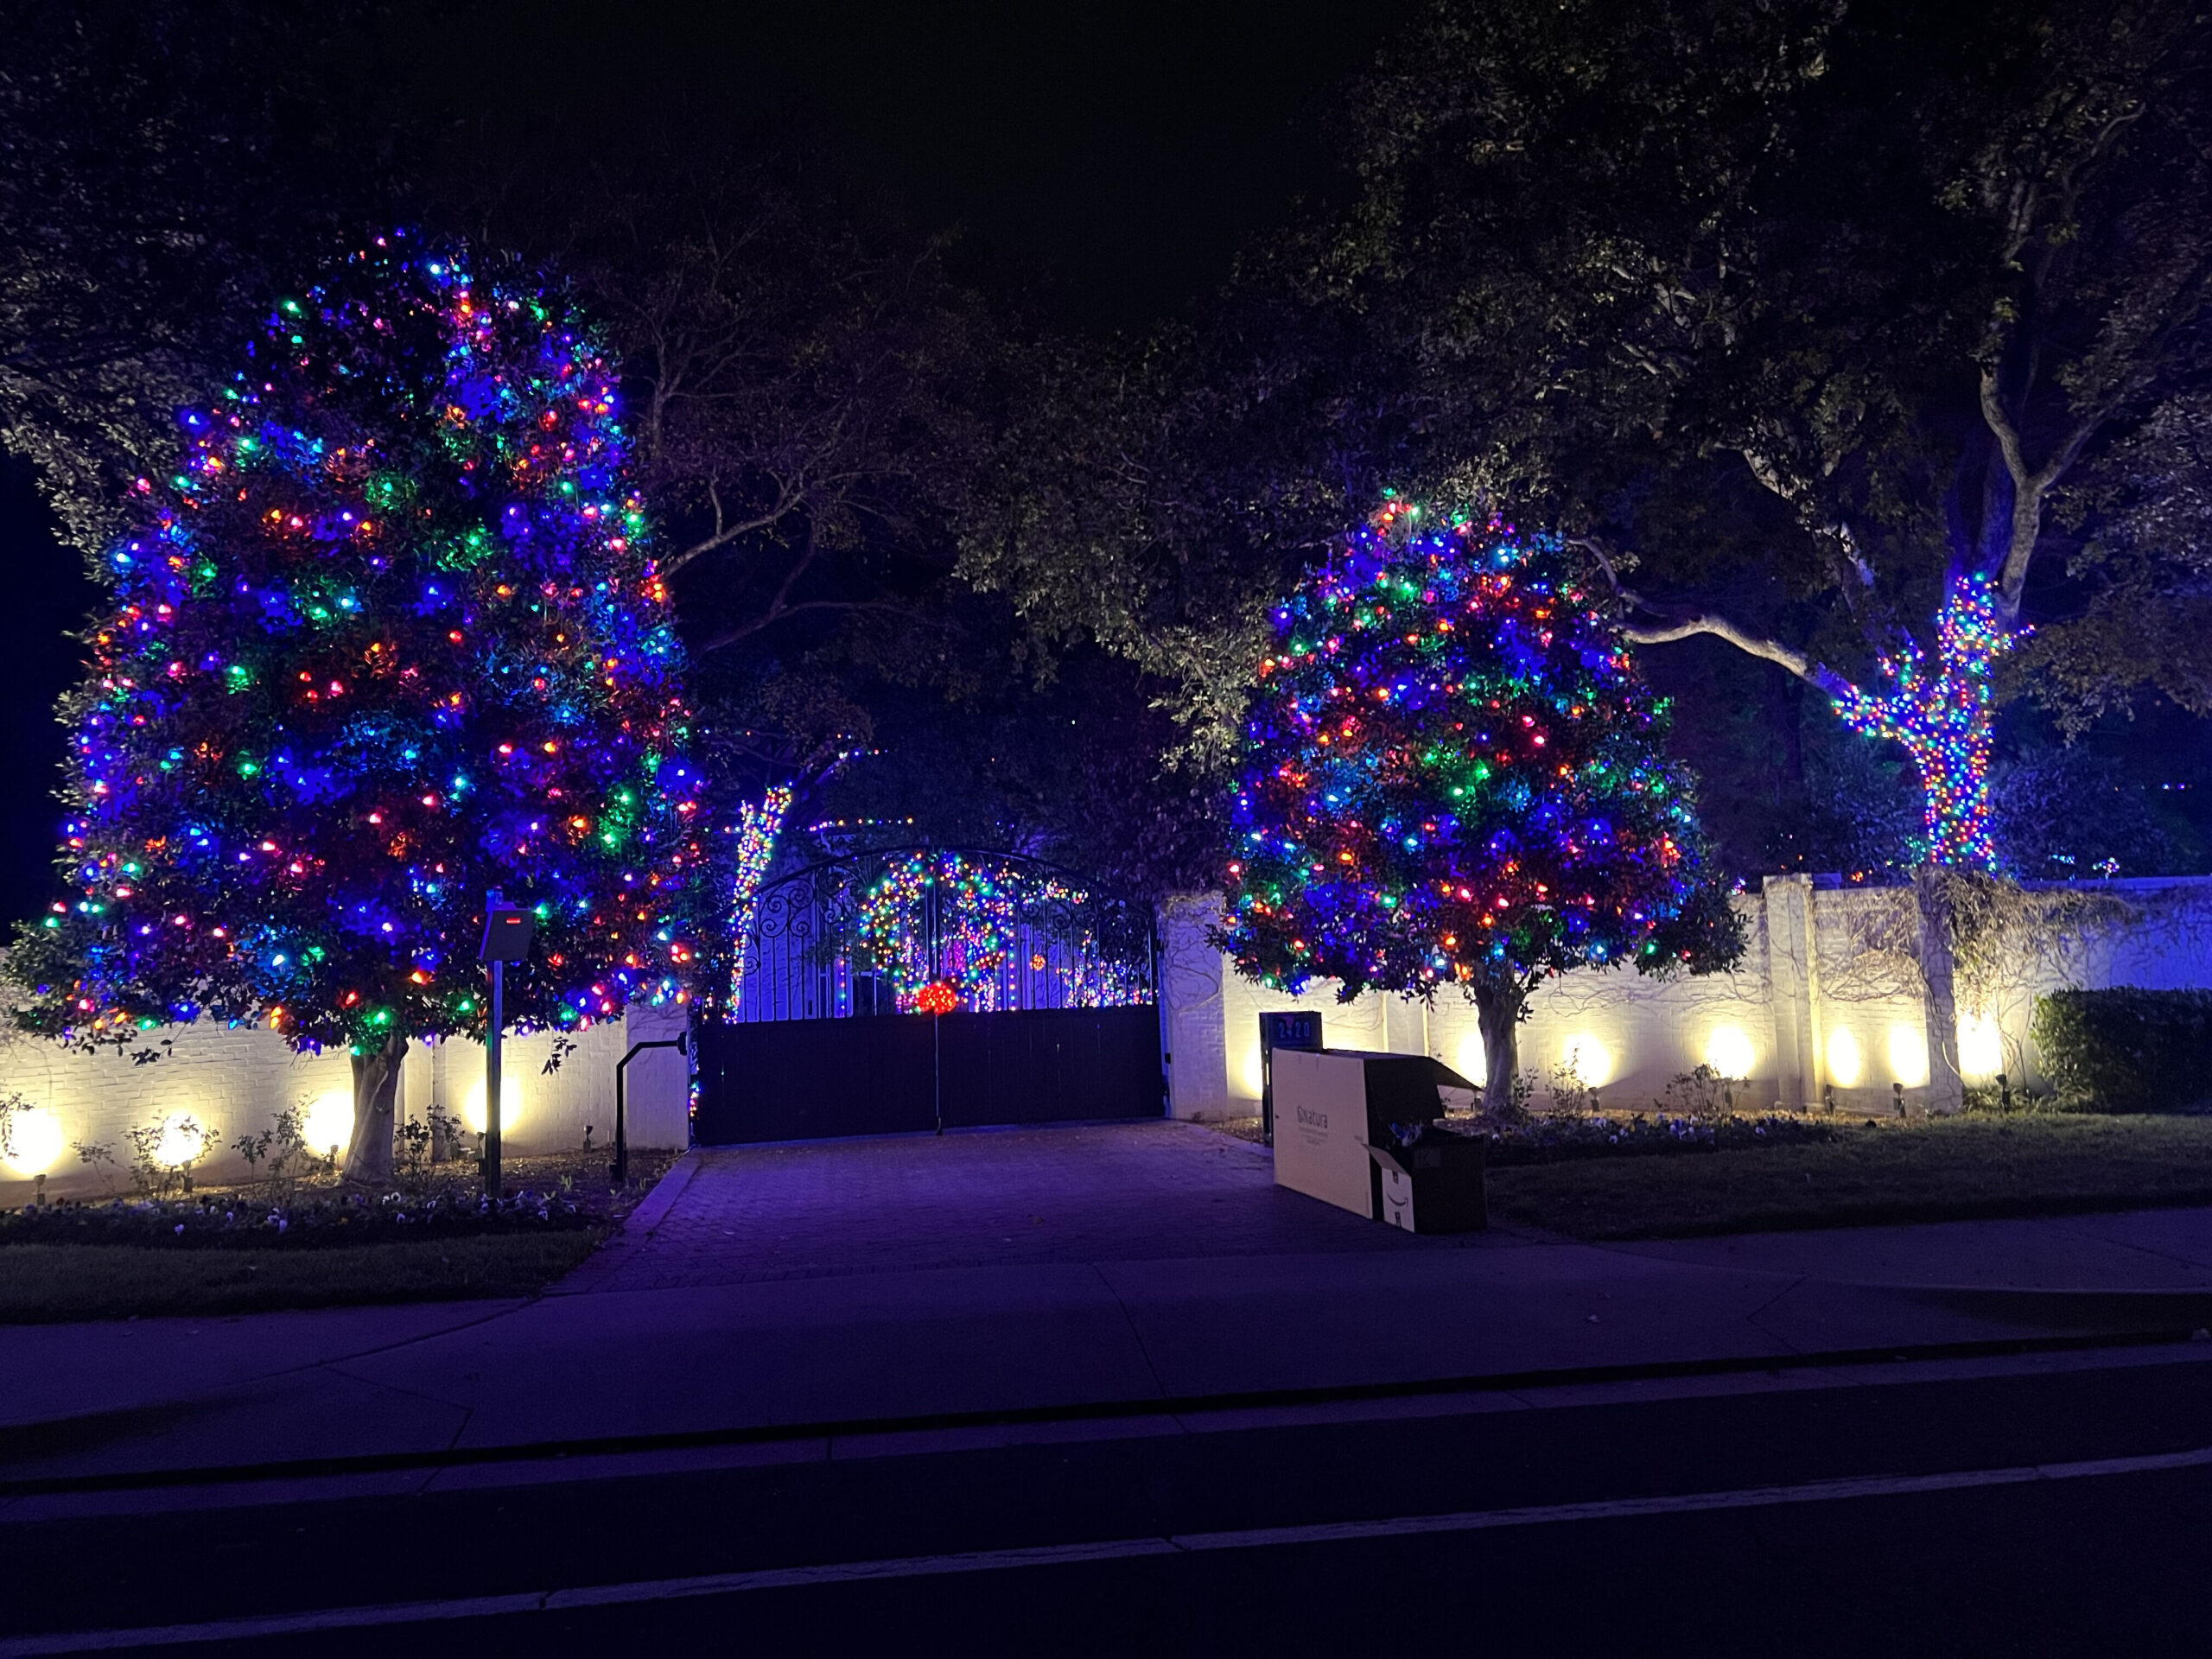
[999,933]
[1942,719]
[389,635]
[938,917]
[1453,774]
[757,829]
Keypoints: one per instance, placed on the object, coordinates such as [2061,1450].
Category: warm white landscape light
[182,1140]
[329,1122]
[1591,1061]
[1843,1059]
[1982,1047]
[1908,1055]
[1471,1063]
[1729,1051]
[472,1108]
[34,1143]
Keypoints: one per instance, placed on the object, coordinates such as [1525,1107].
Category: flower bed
[234,1221]
[1558,1137]
[557,1192]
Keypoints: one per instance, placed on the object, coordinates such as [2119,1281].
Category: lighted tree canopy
[390,635]
[1867,335]
[1453,777]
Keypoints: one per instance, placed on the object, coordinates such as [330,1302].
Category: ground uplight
[1845,1059]
[472,1103]
[1729,1051]
[329,1120]
[35,1142]
[1592,1062]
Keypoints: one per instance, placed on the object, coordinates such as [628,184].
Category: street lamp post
[506,938]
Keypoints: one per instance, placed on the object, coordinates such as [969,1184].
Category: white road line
[994,1561]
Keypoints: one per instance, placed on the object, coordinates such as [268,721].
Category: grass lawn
[45,1283]
[1945,1169]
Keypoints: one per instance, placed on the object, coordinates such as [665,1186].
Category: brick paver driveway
[990,1197]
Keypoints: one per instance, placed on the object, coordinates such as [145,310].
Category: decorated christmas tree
[389,636]
[1453,777]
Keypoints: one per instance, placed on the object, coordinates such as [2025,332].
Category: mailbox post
[1299,1029]
[506,938]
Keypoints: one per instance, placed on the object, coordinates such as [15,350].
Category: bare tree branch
[1814,674]
[788,501]
[1681,623]
[770,618]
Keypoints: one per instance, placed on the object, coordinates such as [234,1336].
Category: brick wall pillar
[1193,1029]
[1794,974]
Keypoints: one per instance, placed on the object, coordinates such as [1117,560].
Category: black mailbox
[1299,1029]
[507,935]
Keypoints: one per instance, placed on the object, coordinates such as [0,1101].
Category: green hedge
[2126,1049]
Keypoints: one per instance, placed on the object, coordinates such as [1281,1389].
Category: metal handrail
[621,1168]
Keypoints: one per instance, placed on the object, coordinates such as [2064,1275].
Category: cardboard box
[1437,1186]
[1332,1107]
[1321,1129]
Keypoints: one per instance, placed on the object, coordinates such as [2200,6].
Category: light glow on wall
[329,1120]
[472,1105]
[1470,1062]
[1254,1071]
[1729,1051]
[184,1139]
[35,1142]
[1592,1060]
[1908,1055]
[1981,1047]
[1844,1058]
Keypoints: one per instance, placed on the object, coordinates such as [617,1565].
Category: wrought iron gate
[923,987]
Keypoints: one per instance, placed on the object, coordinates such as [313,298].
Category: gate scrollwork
[982,931]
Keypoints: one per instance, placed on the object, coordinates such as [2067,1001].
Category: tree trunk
[376,1088]
[1498,1016]
[1938,1003]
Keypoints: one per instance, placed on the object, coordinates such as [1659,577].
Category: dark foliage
[2126,1049]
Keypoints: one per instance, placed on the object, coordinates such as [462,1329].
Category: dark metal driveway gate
[821,1031]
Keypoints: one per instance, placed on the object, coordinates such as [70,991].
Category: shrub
[2126,1049]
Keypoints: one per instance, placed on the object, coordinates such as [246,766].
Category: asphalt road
[1951,1508]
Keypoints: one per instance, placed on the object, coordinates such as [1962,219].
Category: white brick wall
[1857,1006]
[236,1080]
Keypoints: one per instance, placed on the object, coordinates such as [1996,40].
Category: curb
[642,1221]
[2180,1336]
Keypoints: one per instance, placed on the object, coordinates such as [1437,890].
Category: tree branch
[1681,623]
[768,619]
[1818,675]
[2030,486]
[788,501]
[1838,530]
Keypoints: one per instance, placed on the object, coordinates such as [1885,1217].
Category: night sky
[1106,161]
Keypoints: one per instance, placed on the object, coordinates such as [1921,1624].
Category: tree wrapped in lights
[1453,776]
[390,634]
[1943,719]
[758,825]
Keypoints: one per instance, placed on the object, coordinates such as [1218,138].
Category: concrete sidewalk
[1094,1318]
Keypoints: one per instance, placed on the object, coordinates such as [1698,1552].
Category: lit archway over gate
[931,988]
